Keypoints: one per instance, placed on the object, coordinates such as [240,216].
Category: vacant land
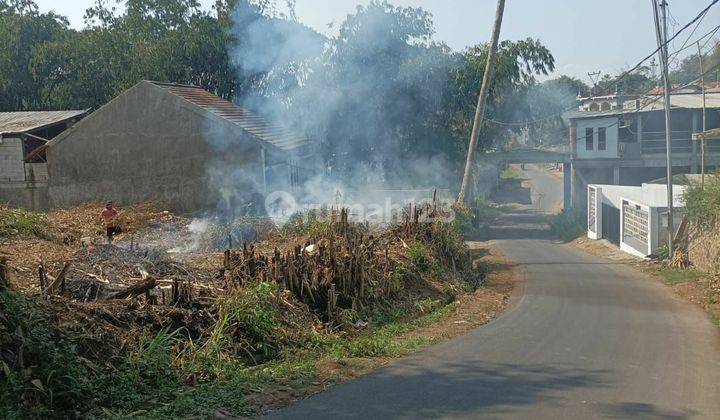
[167,322]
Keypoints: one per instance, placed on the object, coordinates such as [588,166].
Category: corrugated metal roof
[22,122]
[689,101]
[654,103]
[256,125]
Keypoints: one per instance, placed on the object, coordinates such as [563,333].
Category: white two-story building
[623,142]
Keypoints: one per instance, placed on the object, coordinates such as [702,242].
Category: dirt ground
[469,311]
[699,288]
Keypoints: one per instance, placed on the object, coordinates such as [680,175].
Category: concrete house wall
[610,124]
[148,144]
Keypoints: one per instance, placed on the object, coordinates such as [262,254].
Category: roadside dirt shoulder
[694,286]
[468,311]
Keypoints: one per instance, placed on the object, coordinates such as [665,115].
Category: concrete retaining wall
[19,196]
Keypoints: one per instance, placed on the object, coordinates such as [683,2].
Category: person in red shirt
[109,219]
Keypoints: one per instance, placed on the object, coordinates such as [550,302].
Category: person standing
[109,219]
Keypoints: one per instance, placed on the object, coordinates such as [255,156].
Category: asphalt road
[585,338]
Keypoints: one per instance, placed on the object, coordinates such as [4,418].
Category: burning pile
[107,272]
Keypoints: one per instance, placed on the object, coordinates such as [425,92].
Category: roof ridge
[272,132]
[159,83]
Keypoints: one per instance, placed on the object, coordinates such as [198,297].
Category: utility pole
[482,97]
[594,77]
[661,35]
[704,121]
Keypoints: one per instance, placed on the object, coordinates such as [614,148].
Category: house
[178,145]
[635,218]
[23,142]
[622,140]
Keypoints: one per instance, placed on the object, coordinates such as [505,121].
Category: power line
[657,98]
[677,53]
[637,66]
[625,74]
[711,36]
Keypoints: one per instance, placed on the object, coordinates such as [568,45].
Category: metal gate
[592,207]
[611,223]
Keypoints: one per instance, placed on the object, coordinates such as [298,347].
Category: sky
[584,36]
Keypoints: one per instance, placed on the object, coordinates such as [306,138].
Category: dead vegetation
[108,309]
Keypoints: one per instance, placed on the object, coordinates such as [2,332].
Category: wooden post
[3,273]
[60,280]
[135,290]
[704,122]
[42,276]
[480,110]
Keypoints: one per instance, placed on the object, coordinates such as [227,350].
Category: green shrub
[40,375]
[468,221]
[569,224]
[702,205]
[149,374]
[472,279]
[313,222]
[512,172]
[487,211]
[421,259]
[20,222]
[249,319]
[464,221]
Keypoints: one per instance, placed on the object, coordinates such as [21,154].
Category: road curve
[586,338]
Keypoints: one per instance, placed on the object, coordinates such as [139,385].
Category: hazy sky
[583,35]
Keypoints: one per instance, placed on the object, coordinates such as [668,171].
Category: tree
[369,98]
[24,30]
[517,64]
[689,68]
[543,105]
[636,82]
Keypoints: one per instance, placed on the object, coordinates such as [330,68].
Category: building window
[588,139]
[601,138]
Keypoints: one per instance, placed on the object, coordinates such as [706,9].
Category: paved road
[547,193]
[585,338]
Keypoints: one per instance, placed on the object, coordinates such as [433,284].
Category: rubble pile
[105,272]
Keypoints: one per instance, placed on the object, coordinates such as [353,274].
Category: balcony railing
[654,142]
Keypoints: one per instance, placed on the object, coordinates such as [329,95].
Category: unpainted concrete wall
[11,160]
[34,199]
[148,144]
